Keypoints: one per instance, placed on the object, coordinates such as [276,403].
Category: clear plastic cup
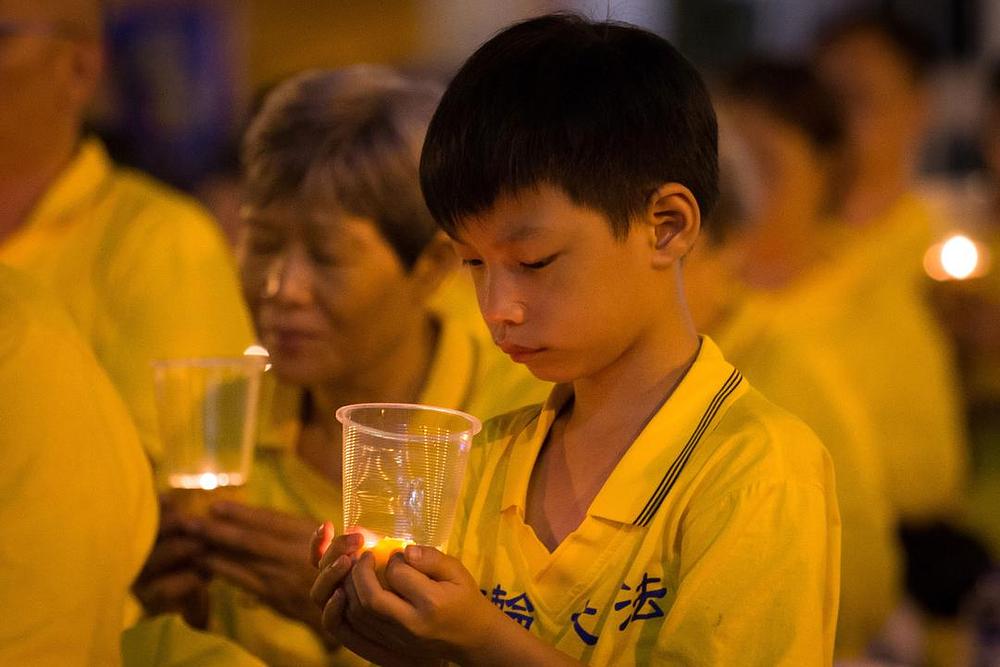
[403,470]
[207,413]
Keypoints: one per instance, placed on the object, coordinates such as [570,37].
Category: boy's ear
[437,260]
[673,221]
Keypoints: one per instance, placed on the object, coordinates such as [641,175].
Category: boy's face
[329,296]
[559,293]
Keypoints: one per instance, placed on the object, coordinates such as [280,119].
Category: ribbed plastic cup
[207,413]
[403,470]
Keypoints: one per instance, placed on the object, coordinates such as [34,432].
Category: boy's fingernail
[413,553]
[355,540]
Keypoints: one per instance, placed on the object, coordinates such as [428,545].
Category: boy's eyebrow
[520,233]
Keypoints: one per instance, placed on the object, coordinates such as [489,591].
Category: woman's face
[329,296]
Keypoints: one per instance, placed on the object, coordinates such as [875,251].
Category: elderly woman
[340,263]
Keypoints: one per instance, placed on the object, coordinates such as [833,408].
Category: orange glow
[382,549]
[258,351]
[205,481]
[956,258]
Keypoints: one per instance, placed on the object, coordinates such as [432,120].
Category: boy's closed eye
[540,264]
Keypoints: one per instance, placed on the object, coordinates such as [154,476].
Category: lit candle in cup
[194,493]
[382,548]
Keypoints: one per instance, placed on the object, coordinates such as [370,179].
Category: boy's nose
[500,302]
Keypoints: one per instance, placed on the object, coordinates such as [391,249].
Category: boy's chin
[551,373]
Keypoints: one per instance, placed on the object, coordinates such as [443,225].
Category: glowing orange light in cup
[403,470]
[956,258]
[207,413]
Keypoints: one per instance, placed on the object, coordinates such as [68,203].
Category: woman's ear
[434,264]
[673,220]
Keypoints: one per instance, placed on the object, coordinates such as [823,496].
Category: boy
[656,508]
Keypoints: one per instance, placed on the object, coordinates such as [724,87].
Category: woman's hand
[174,578]
[267,553]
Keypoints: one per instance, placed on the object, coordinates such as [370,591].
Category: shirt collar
[646,473]
[81,181]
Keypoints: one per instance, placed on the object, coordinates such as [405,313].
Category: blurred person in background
[340,259]
[781,131]
[896,352]
[970,308]
[142,269]
[77,510]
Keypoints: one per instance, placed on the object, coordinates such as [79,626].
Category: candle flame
[956,258]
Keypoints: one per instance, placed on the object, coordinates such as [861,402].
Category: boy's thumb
[431,562]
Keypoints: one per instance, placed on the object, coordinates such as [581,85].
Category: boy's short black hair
[792,94]
[606,112]
[914,45]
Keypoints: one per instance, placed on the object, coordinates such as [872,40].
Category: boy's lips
[520,353]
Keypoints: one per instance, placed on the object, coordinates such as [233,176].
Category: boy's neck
[596,428]
[629,391]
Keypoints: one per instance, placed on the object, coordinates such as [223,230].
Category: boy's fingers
[348,543]
[333,613]
[408,582]
[322,537]
[364,584]
[328,580]
[433,563]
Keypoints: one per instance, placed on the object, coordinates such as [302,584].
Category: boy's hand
[334,563]
[265,552]
[433,609]
[174,578]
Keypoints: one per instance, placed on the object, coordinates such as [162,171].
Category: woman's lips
[290,340]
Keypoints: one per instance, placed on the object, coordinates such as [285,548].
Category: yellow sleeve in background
[170,290]
[166,641]
[811,383]
[77,512]
[142,269]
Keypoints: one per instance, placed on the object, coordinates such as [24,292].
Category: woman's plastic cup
[207,412]
[403,470]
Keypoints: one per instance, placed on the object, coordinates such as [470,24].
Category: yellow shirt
[869,308]
[810,383]
[715,541]
[467,373]
[167,641]
[142,270]
[77,510]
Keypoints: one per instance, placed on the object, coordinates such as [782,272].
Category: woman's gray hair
[348,138]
